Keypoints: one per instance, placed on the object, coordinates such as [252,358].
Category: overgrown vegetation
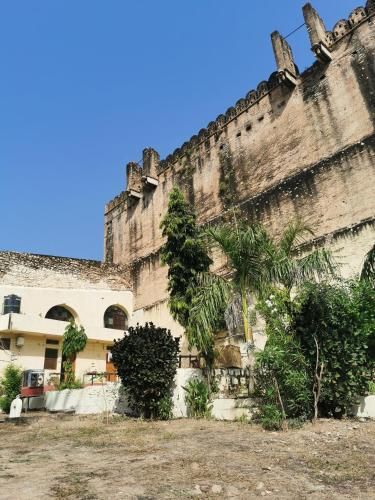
[198,398]
[74,342]
[256,262]
[146,362]
[10,386]
[368,269]
[320,351]
[282,376]
[184,253]
[335,324]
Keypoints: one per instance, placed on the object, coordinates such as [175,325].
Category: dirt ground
[87,458]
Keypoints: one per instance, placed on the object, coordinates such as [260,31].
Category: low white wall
[89,400]
[110,397]
[366,408]
[183,375]
[231,409]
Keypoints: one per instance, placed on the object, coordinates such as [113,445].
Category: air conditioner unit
[33,378]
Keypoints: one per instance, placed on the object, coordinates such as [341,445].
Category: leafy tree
[146,361]
[336,329]
[74,341]
[282,375]
[10,386]
[255,262]
[368,269]
[184,253]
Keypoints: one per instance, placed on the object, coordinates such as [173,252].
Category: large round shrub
[146,361]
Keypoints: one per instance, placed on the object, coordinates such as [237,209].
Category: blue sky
[85,85]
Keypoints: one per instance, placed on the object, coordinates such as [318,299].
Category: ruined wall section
[298,145]
[46,271]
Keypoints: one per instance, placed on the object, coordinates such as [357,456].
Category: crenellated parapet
[322,44]
[323,41]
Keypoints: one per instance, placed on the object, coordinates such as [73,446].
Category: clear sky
[85,85]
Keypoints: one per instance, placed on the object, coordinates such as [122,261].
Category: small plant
[71,384]
[243,419]
[198,398]
[271,418]
[165,408]
[146,361]
[10,386]
[371,388]
[74,341]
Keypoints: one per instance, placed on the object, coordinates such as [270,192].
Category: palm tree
[290,266]
[255,262]
[368,269]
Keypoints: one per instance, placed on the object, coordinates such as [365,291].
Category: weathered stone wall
[299,145]
[45,271]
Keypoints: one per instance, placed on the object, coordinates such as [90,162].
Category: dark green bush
[338,321]
[10,386]
[146,361]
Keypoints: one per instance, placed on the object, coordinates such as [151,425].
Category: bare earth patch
[86,458]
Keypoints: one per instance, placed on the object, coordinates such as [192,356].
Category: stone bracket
[150,182]
[287,78]
[322,53]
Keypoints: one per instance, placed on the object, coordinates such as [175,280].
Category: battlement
[323,44]
[299,145]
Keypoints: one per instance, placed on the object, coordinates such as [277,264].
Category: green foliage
[371,388]
[338,321]
[283,379]
[70,384]
[74,341]
[198,398]
[214,291]
[271,417]
[368,270]
[10,386]
[184,253]
[146,361]
[256,262]
[287,267]
[165,408]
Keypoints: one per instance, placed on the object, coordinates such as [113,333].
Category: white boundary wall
[366,408]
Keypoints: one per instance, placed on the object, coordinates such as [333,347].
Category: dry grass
[84,458]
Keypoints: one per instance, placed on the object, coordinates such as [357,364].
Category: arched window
[60,313]
[115,318]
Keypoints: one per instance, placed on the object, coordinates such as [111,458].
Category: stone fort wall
[300,144]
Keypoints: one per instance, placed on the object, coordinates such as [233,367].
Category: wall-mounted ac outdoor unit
[33,378]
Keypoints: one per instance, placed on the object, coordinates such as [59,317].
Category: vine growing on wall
[227,185]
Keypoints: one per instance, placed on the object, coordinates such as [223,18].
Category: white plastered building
[40,294]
